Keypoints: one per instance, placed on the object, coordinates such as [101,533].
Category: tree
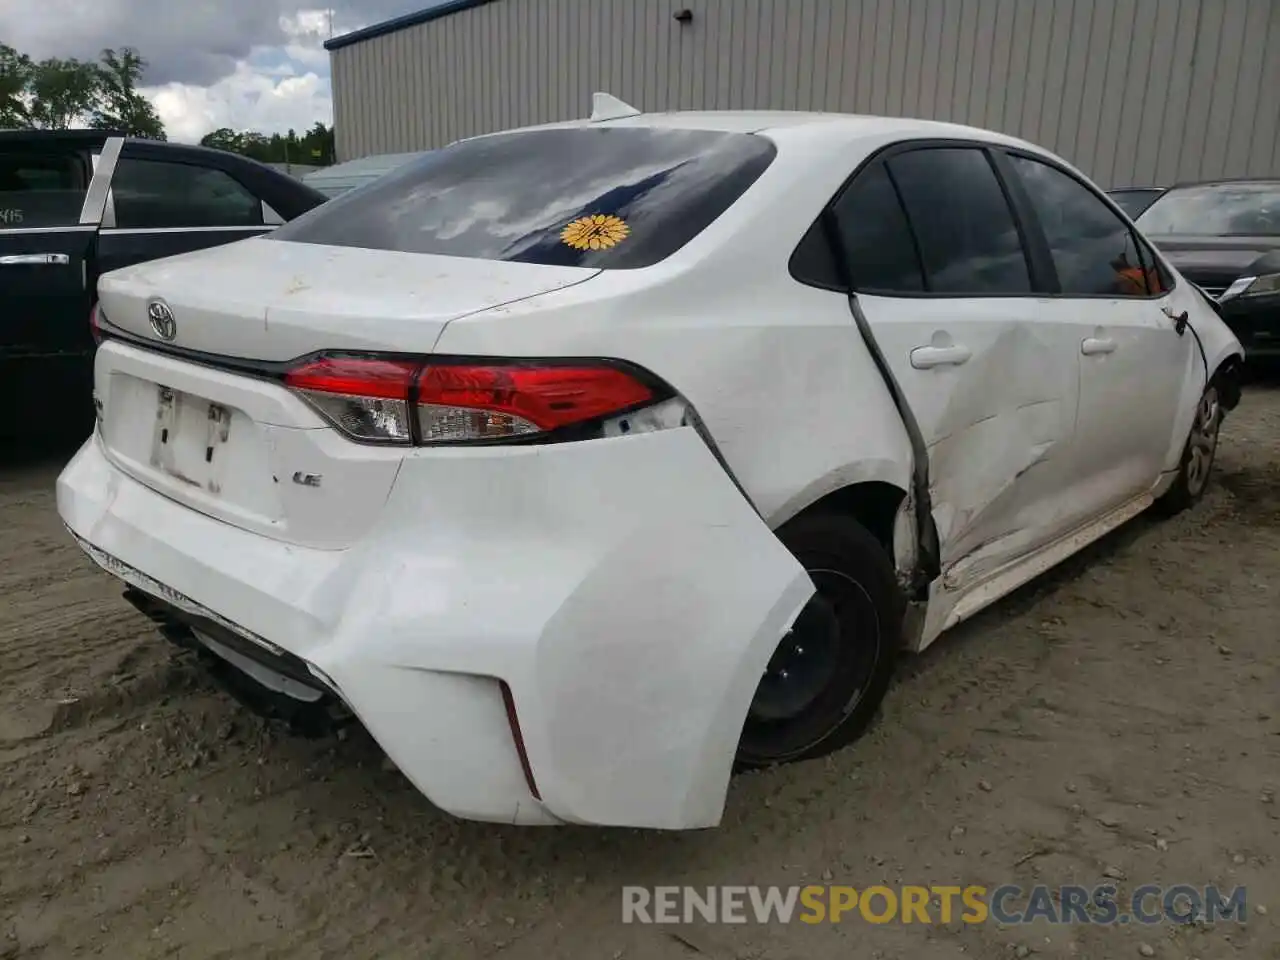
[61,92]
[117,103]
[15,76]
[313,147]
[224,138]
[57,93]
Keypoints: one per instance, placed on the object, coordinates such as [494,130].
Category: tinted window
[962,222]
[157,193]
[1134,201]
[876,237]
[1094,251]
[1216,210]
[594,197]
[41,190]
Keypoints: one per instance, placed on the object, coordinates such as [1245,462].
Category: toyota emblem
[162,321]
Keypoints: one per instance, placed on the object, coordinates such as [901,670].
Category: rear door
[165,200]
[947,287]
[1132,362]
[50,204]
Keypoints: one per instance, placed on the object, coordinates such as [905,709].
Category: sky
[244,64]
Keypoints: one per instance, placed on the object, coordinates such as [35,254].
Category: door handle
[1092,346]
[924,358]
[35,260]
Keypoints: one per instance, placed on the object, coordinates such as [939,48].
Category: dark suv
[77,203]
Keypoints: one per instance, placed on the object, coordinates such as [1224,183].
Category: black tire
[1198,456]
[807,708]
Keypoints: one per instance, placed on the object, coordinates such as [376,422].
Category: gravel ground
[1119,718]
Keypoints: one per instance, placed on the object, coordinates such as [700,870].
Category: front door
[1132,362]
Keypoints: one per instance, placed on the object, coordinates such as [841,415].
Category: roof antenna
[604,106]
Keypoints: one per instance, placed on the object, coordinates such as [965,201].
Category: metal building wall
[1132,91]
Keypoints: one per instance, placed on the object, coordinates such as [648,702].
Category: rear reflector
[509,702]
[95,324]
[382,399]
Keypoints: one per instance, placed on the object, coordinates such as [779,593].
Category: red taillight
[95,326]
[355,376]
[367,399]
[376,399]
[460,402]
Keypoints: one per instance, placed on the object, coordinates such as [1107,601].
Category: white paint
[623,588]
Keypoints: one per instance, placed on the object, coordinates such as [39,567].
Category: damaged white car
[584,462]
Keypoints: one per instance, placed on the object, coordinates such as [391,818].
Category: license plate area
[189,437]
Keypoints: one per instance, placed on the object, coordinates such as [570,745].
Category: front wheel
[829,674]
[1197,456]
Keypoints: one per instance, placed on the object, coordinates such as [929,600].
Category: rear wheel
[1197,456]
[831,671]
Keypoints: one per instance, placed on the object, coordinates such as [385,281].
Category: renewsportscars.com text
[1008,904]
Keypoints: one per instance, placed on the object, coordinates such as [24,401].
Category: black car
[77,203]
[1134,200]
[1224,237]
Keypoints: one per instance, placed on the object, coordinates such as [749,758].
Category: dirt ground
[1119,718]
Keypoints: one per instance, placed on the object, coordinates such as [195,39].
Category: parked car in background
[338,179]
[579,483]
[1133,200]
[75,204]
[1224,236]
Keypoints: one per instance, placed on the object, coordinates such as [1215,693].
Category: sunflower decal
[599,231]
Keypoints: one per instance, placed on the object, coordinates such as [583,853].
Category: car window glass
[1094,251]
[1243,209]
[876,237]
[157,194]
[601,197]
[41,190]
[962,222]
[1158,279]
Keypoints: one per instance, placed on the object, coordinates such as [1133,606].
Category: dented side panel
[998,424]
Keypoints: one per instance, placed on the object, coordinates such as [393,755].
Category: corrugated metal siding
[1131,91]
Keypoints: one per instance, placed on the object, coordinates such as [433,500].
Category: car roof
[78,136]
[836,127]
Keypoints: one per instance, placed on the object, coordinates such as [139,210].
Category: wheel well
[873,504]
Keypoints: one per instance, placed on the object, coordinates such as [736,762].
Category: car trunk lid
[204,417]
[272,300]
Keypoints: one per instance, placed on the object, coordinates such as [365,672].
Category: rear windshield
[616,198]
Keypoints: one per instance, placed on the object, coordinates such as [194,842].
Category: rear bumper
[623,591]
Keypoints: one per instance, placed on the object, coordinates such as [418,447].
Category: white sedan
[586,462]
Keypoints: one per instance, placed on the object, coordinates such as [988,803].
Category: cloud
[245,64]
[251,98]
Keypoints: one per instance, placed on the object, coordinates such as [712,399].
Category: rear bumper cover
[623,589]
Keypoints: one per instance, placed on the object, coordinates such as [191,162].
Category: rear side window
[41,190]
[617,198]
[876,236]
[958,212]
[1095,253]
[157,194]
